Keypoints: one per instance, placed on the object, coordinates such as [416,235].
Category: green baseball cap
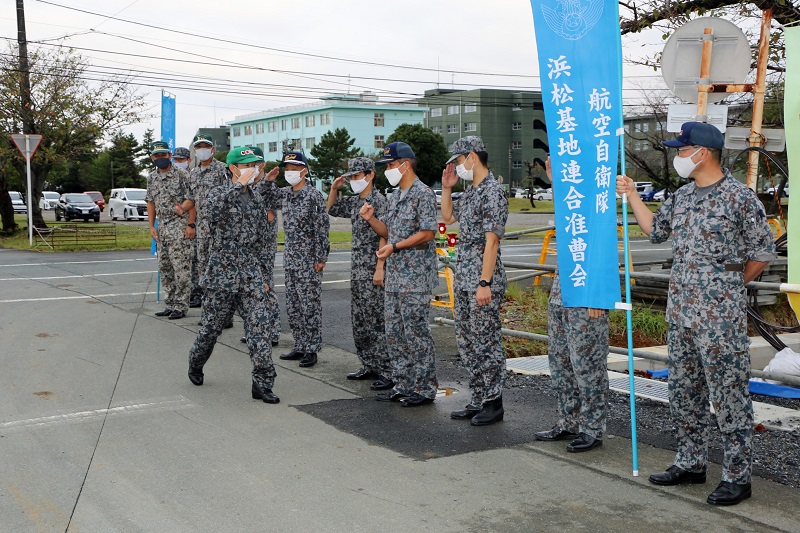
[159,147]
[258,151]
[241,155]
[201,138]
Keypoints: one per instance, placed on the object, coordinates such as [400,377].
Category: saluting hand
[449,176]
[367,212]
[338,183]
[272,174]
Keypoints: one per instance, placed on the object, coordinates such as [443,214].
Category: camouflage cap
[241,155]
[159,147]
[258,151]
[359,164]
[182,153]
[465,145]
[201,138]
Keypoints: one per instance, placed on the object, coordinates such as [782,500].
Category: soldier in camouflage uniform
[721,240]
[234,276]
[367,271]
[167,189]
[204,177]
[411,276]
[480,280]
[305,225]
[578,358]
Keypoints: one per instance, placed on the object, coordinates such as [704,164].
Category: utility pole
[25,76]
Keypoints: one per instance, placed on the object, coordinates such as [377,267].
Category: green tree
[72,113]
[330,155]
[429,148]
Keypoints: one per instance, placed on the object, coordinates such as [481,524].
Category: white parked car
[128,204]
[18,202]
[660,196]
[48,200]
[519,192]
[771,190]
[543,194]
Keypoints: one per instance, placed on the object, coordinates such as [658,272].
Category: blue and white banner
[580,63]
[168,120]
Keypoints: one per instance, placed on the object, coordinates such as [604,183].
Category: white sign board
[739,139]
[677,114]
[27,144]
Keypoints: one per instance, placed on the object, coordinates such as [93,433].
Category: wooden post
[758,97]
[705,75]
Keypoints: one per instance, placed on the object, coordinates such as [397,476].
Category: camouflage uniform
[714,236]
[201,181]
[174,249]
[305,225]
[411,276]
[235,277]
[268,260]
[480,209]
[578,357]
[367,299]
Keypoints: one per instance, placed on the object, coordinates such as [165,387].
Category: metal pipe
[637,352]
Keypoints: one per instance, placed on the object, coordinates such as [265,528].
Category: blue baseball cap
[697,134]
[394,151]
[294,158]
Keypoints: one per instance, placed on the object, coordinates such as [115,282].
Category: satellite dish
[680,61]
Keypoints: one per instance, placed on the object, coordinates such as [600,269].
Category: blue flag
[168,120]
[579,65]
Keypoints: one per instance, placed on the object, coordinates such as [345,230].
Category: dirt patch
[44,335]
[93,302]
[43,394]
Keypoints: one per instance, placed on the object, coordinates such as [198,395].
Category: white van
[128,204]
[48,200]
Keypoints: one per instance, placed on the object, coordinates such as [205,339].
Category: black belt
[734,267]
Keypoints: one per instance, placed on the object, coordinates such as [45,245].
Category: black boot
[292,356]
[196,375]
[491,412]
[309,360]
[465,414]
[265,395]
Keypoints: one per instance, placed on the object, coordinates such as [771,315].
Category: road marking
[80,262]
[81,297]
[81,276]
[181,403]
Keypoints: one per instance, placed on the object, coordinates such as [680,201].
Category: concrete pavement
[101,431]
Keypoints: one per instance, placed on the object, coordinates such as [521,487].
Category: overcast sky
[413,38]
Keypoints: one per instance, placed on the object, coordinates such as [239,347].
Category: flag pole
[626,252]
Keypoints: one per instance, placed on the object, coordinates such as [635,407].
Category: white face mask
[183,165]
[684,166]
[293,176]
[249,173]
[463,173]
[203,154]
[393,175]
[358,186]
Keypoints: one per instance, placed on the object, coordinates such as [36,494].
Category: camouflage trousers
[410,344]
[578,357]
[480,346]
[253,307]
[711,364]
[175,266]
[304,308]
[199,260]
[366,312]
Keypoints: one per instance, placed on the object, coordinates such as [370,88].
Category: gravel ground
[776,453]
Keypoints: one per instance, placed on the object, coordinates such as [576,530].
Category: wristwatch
[394,247]
[191,225]
[484,283]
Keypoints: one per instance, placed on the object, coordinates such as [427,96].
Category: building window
[248,130]
[436,112]
[470,108]
[436,129]
[516,165]
[310,142]
[297,143]
[379,141]
[516,126]
[645,127]
[627,128]
[470,126]
[272,126]
[516,145]
[378,122]
[284,122]
[452,128]
[273,146]
[517,107]
[237,130]
[637,146]
[310,121]
[637,127]
[260,127]
[324,119]
[296,123]
[260,146]
[645,145]
[452,110]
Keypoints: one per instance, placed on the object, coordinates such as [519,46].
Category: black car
[77,205]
